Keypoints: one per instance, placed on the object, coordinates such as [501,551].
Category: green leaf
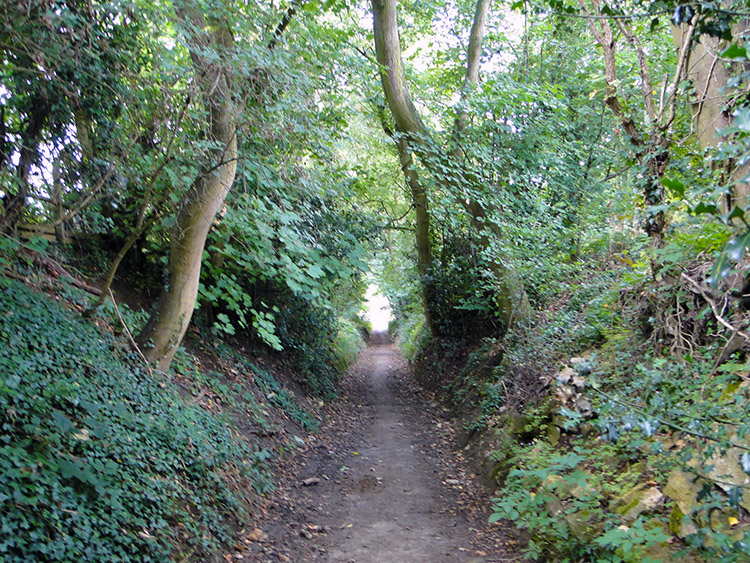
[677,187]
[733,251]
[705,208]
[736,213]
[742,119]
[734,52]
[735,497]
[62,422]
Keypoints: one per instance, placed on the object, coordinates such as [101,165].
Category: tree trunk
[511,298]
[164,331]
[710,76]
[14,203]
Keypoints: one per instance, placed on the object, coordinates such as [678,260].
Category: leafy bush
[348,344]
[99,460]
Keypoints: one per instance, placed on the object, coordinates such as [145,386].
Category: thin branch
[284,23]
[712,303]
[96,187]
[681,63]
[130,336]
[668,424]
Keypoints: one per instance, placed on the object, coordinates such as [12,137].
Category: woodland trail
[380,483]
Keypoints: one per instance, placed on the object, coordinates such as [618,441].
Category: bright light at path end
[378,309]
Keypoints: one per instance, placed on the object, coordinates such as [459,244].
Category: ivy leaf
[734,52]
[733,251]
[677,187]
[735,497]
[742,119]
[62,422]
[705,208]
[736,213]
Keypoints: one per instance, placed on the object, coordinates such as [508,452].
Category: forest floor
[382,482]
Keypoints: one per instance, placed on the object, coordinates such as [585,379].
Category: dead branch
[714,308]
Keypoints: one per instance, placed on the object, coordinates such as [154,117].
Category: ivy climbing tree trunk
[409,126]
[209,52]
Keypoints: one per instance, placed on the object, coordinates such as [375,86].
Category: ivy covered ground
[104,459]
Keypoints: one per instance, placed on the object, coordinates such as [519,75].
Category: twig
[130,336]
[668,424]
[716,312]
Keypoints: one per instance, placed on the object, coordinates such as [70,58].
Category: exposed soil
[381,482]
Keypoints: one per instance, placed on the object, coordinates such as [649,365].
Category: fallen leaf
[257,535]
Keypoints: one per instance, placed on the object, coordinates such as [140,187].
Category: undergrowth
[100,460]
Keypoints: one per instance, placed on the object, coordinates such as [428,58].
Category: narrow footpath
[381,482]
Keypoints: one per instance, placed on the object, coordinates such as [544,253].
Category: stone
[727,472]
[680,524]
[683,489]
[559,420]
[310,482]
[721,520]
[638,500]
[583,525]
[517,423]
[257,535]
[565,375]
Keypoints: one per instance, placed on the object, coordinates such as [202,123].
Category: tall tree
[211,48]
[650,137]
[446,166]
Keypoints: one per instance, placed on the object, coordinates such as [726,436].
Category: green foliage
[308,334]
[100,459]
[348,343]
[560,498]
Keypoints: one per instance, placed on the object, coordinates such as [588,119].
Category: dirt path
[380,483]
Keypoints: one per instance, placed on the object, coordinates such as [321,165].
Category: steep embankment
[102,459]
[381,482]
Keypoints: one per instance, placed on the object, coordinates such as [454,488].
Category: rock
[517,423]
[565,394]
[452,482]
[583,406]
[256,535]
[680,524]
[583,525]
[310,482]
[566,374]
[683,488]
[728,473]
[638,500]
[583,493]
[559,421]
[554,506]
[740,533]
[556,485]
[721,520]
